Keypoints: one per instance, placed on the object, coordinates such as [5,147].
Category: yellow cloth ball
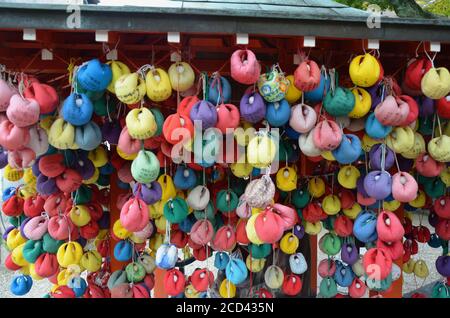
[79,215]
[17,256]
[98,156]
[331,204]
[119,231]
[227,289]
[353,211]
[289,243]
[255,265]
[14,239]
[348,176]
[313,228]
[286,179]
[293,94]
[251,232]
[12,174]
[364,70]
[316,187]
[118,69]
[91,261]
[69,253]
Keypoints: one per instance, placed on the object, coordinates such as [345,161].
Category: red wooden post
[306,168]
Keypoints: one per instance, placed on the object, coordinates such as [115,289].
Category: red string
[129,61]
[60,58]
[224,64]
[163,58]
[31,62]
[196,69]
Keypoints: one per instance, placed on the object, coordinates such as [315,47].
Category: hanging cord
[439,124]
[106,50]
[217,81]
[205,85]
[68,225]
[31,61]
[434,125]
[333,80]
[3,222]
[363,42]
[383,157]
[418,46]
[366,163]
[129,61]
[107,97]
[396,162]
[167,234]
[178,90]
[144,69]
[431,58]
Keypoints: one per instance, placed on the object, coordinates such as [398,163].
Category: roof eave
[166,19]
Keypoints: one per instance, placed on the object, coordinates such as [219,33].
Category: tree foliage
[440,7]
[406,8]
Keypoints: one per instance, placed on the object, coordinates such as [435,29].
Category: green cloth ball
[83,195]
[328,287]
[32,250]
[176,210]
[159,119]
[379,285]
[328,223]
[50,245]
[330,244]
[282,154]
[103,180]
[300,214]
[51,150]
[226,201]
[16,220]
[209,211]
[300,198]
[239,186]
[423,180]
[440,290]
[283,195]
[425,125]
[145,167]
[340,102]
[218,222]
[102,106]
[260,251]
[135,272]
[435,188]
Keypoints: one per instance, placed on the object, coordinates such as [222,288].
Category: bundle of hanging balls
[385,145]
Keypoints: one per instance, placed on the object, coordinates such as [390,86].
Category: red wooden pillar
[306,168]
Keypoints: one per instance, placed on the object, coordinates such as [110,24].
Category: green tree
[406,8]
